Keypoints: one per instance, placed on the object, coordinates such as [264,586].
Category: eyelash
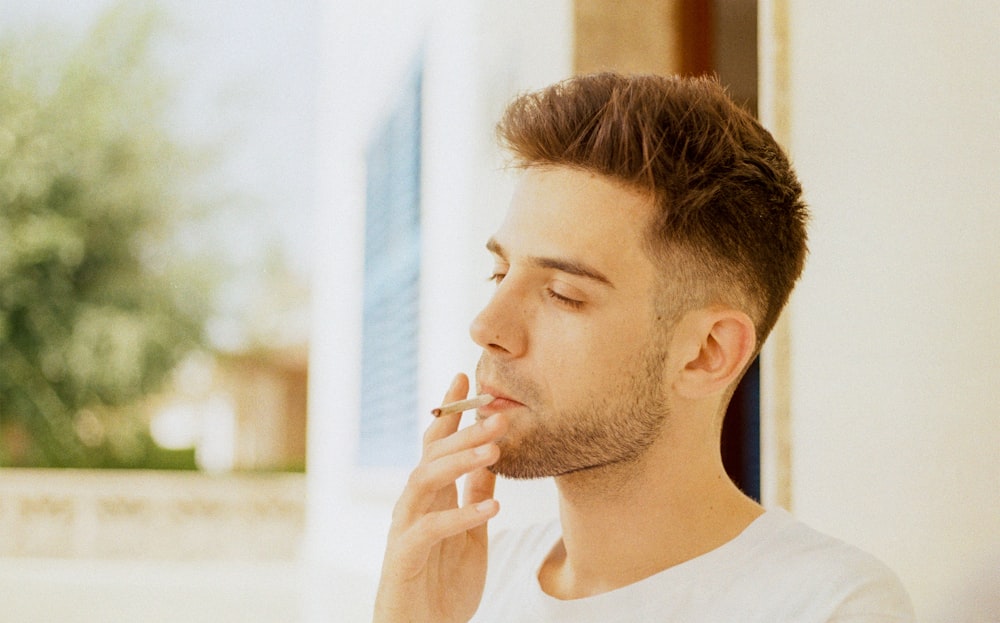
[496,278]
[572,303]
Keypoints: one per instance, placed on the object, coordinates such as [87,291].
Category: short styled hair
[730,223]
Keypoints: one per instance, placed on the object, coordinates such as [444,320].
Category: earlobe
[723,341]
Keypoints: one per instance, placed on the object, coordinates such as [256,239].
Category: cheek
[583,361]
[561,362]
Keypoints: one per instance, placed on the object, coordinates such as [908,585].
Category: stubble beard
[615,428]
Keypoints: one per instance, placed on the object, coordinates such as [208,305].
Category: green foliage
[96,307]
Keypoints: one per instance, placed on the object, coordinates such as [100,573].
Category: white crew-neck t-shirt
[777,570]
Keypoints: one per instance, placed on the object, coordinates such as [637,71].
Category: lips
[502,400]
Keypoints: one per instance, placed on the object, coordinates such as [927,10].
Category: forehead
[578,215]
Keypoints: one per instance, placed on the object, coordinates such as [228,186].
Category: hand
[434,569]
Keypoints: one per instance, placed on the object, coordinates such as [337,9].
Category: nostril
[497,347]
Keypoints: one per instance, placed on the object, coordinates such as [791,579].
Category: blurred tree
[97,305]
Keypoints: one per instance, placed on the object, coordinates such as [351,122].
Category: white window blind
[391,287]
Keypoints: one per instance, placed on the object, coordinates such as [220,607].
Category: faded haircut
[730,224]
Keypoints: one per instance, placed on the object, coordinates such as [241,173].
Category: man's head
[729,225]
[653,238]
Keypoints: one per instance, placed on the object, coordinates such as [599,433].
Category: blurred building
[269,392]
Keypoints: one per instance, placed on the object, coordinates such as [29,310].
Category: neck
[622,523]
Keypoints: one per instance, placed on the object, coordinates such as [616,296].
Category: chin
[533,468]
[518,474]
[521,468]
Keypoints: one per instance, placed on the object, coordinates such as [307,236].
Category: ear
[717,344]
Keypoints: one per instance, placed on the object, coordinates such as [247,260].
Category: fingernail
[483,450]
[486,506]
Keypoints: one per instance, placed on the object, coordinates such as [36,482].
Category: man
[653,239]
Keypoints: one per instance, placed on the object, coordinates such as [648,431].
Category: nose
[500,327]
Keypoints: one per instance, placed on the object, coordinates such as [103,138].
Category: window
[391,287]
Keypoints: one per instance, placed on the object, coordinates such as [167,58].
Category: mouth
[502,401]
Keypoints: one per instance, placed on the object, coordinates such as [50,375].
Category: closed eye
[565,300]
[496,277]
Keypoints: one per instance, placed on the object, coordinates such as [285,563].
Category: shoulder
[813,568]
[783,539]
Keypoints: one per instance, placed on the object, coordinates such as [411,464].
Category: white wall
[477,55]
[894,128]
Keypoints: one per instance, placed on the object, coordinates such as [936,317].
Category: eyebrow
[572,267]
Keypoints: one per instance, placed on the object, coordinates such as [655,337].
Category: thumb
[479,486]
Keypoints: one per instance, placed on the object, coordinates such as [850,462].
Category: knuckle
[429,436]
[418,478]
[400,513]
[430,449]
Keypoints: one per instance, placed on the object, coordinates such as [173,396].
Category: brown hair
[731,222]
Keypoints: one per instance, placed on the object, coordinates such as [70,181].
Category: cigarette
[462,405]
